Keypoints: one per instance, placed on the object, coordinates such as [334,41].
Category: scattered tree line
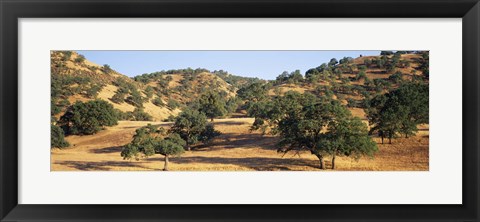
[399,111]
[317,124]
[190,128]
[314,121]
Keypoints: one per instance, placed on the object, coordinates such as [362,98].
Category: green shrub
[88,118]
[57,137]
[139,115]
[173,104]
[158,102]
[192,126]
[135,99]
[170,118]
[79,59]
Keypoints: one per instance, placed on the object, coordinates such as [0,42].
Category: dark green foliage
[93,91]
[212,104]
[190,74]
[146,78]
[367,62]
[172,104]
[299,120]
[79,59]
[263,112]
[386,53]
[135,99]
[54,108]
[57,137]
[138,115]
[381,85]
[396,78]
[424,65]
[361,75]
[107,69]
[253,92]
[66,55]
[347,137]
[57,107]
[121,115]
[346,60]
[158,102]
[149,92]
[119,96]
[312,75]
[292,78]
[88,118]
[170,118]
[332,62]
[150,140]
[235,81]
[399,111]
[351,102]
[207,135]
[63,86]
[232,104]
[324,93]
[191,125]
[127,92]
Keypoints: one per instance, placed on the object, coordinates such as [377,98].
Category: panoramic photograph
[326,111]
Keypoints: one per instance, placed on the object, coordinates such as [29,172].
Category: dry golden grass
[237,149]
[107,92]
[284,88]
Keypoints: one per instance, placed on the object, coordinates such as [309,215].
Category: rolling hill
[159,94]
[164,93]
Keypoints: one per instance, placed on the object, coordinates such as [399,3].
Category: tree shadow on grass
[377,72]
[113,149]
[101,166]
[233,140]
[255,163]
[231,123]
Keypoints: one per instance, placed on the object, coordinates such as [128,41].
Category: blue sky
[261,64]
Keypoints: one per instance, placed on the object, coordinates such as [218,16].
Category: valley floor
[237,149]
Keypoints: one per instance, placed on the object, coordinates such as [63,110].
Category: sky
[262,64]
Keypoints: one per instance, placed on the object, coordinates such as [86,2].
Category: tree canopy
[192,127]
[88,118]
[399,111]
[150,140]
[57,137]
[301,119]
[212,104]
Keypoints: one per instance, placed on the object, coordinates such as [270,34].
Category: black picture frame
[12,10]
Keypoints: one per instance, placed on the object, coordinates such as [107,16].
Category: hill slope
[165,93]
[160,94]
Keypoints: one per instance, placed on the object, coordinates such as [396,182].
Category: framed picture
[227,110]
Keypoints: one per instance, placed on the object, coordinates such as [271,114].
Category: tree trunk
[389,140]
[320,158]
[382,139]
[187,145]
[211,119]
[333,162]
[165,167]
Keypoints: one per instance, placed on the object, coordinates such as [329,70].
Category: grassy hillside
[164,93]
[340,115]
[355,80]
[159,94]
